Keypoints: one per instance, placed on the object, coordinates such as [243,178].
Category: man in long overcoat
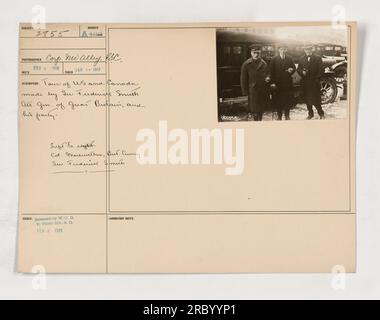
[281,69]
[254,83]
[310,68]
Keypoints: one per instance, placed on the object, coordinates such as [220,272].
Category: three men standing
[255,77]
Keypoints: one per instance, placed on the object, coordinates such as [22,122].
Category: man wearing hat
[281,69]
[310,68]
[254,83]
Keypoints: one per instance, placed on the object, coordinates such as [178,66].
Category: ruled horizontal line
[49,38]
[63,74]
[65,214]
[150,212]
[62,48]
[63,62]
[195,213]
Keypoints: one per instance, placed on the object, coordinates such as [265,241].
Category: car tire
[329,90]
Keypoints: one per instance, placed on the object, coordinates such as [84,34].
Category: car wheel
[329,90]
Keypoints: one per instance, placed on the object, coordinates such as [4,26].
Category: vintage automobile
[233,50]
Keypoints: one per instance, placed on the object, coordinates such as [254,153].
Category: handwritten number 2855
[50,33]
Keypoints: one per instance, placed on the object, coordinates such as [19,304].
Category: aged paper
[141,152]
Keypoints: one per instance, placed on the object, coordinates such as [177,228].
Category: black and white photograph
[282,73]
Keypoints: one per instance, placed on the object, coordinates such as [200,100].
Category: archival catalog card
[187,148]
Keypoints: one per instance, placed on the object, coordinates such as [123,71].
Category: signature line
[94,171]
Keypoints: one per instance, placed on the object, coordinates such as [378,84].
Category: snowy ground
[336,110]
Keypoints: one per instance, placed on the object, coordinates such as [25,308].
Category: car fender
[338,64]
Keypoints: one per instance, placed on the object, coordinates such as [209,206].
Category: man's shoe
[309,117]
[287,118]
[322,117]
